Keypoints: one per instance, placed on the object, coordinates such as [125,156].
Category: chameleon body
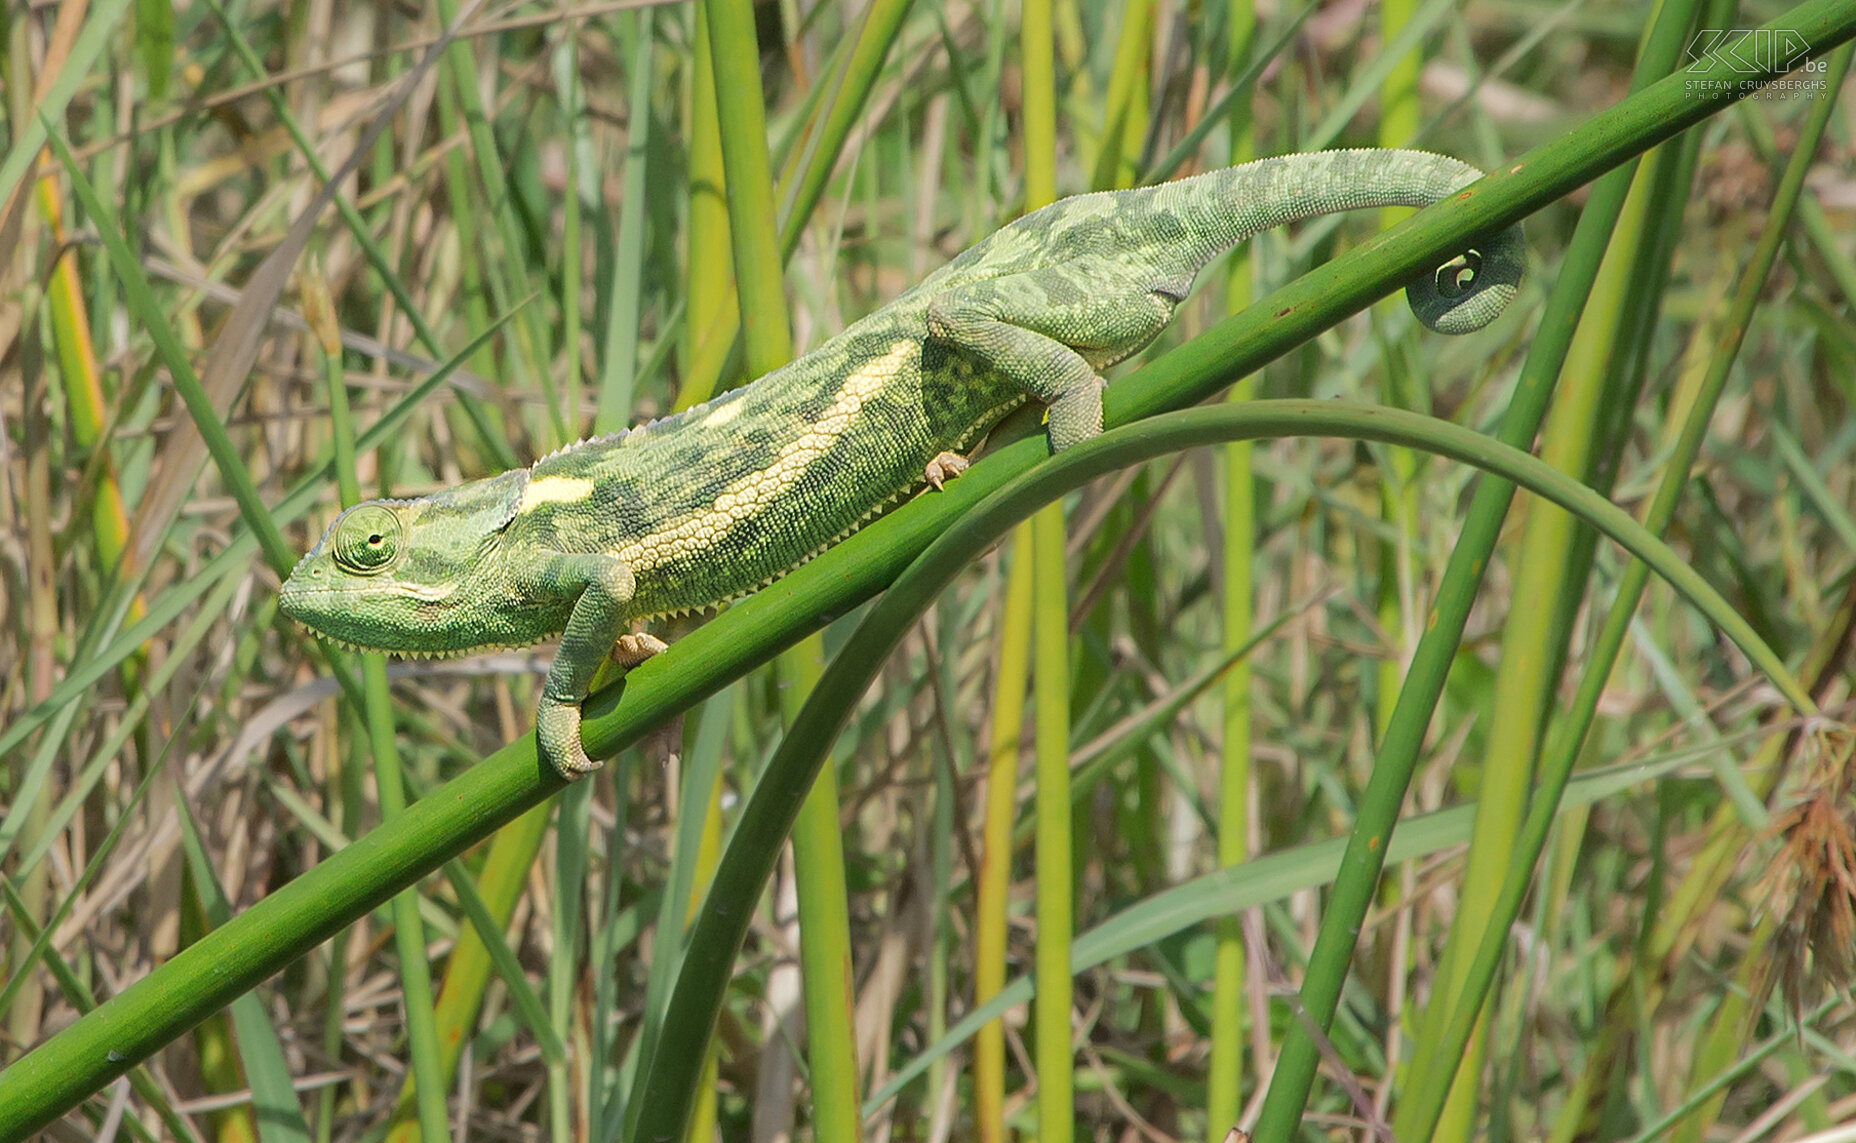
[697,508]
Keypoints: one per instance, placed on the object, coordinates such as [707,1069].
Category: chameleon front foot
[945,467]
[557,735]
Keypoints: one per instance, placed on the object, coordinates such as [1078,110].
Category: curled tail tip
[1467,293]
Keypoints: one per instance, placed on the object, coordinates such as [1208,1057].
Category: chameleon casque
[694,509]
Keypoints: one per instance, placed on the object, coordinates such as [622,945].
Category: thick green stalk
[824,924]
[742,120]
[1224,1080]
[992,903]
[708,263]
[1050,675]
[818,853]
[801,189]
[1050,679]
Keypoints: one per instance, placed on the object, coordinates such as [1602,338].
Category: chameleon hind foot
[632,649]
[945,467]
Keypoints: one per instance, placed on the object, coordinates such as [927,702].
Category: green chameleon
[694,509]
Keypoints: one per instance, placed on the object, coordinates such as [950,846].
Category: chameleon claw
[944,467]
[632,649]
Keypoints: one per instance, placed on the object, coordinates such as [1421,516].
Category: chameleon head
[412,576]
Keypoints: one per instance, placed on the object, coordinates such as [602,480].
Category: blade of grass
[1050,672]
[625,288]
[1224,1070]
[31,132]
[818,855]
[883,20]
[358,228]
[992,905]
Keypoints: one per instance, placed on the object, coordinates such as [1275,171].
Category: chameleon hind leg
[601,586]
[1049,330]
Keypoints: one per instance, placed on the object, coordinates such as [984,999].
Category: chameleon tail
[1227,206]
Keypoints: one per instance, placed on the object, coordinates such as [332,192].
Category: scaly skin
[695,509]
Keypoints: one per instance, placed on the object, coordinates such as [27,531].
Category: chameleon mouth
[398,653]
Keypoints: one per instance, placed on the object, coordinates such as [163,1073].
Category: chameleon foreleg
[1049,330]
[600,586]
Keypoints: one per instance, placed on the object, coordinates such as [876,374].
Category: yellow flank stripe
[555,490]
[748,496]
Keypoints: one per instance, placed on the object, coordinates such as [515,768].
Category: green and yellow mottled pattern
[692,510]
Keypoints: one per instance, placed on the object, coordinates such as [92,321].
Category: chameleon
[687,512]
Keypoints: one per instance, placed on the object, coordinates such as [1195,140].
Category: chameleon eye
[368,539]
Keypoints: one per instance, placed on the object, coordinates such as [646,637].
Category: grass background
[564,206]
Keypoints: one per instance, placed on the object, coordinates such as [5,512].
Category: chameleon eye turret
[368,539]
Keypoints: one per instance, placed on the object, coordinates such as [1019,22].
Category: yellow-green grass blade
[1224,1080]
[147,309]
[1050,676]
[32,132]
[992,903]
[624,292]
